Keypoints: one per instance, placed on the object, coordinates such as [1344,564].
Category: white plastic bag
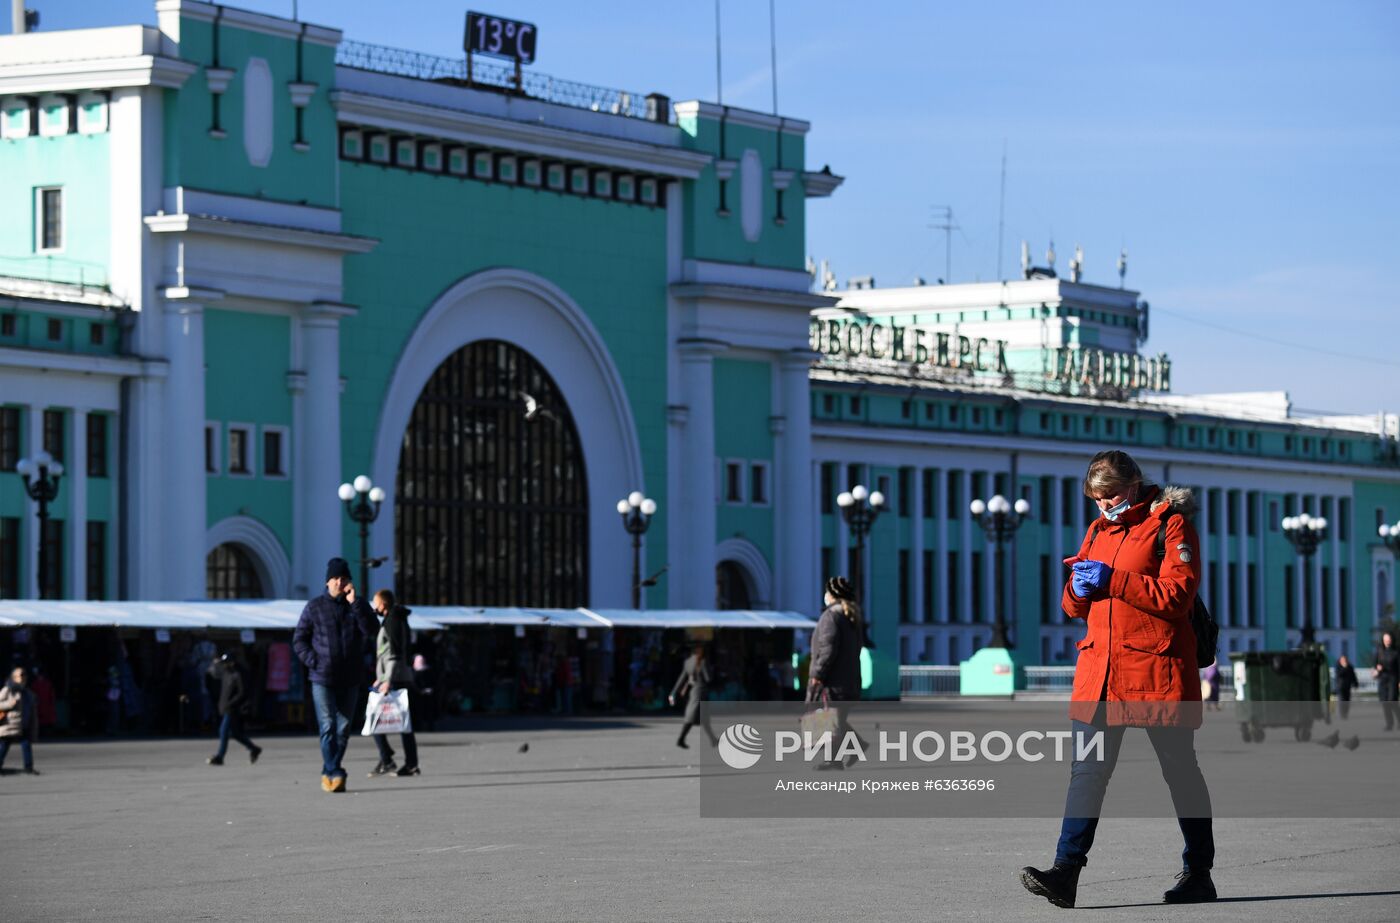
[387,713]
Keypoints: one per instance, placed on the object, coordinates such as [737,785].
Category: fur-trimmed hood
[1180,499]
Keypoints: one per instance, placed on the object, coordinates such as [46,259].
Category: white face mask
[1113,512]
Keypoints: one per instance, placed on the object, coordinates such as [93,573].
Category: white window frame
[743,486]
[285,456]
[249,431]
[39,219]
[214,455]
[767,469]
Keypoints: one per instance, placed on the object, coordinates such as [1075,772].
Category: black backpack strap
[1162,534]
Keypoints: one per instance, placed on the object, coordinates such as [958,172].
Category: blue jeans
[334,706]
[26,749]
[232,726]
[1176,754]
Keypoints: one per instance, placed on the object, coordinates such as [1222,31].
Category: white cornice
[693,108]
[818,184]
[253,22]
[52,295]
[58,76]
[292,237]
[44,361]
[708,291]
[472,128]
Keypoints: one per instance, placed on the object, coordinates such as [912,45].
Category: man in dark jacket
[235,702]
[331,640]
[1387,673]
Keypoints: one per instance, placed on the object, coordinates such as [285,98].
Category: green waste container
[1289,689]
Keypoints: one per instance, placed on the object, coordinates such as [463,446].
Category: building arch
[753,565]
[536,316]
[261,545]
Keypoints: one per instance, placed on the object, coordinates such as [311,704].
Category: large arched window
[491,504]
[231,574]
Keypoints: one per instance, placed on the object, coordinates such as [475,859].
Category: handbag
[821,720]
[387,713]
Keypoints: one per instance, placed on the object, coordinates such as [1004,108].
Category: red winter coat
[1139,647]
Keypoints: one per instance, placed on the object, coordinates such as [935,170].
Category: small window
[9,438]
[906,408]
[1307,446]
[53,434]
[1210,437]
[1191,435]
[1088,425]
[7,325]
[97,445]
[1045,421]
[1288,443]
[758,483]
[1250,440]
[734,482]
[1110,427]
[240,449]
[211,448]
[1132,429]
[1065,423]
[882,484]
[953,413]
[55,329]
[97,334]
[48,233]
[930,411]
[1232,438]
[977,416]
[855,405]
[274,451]
[828,403]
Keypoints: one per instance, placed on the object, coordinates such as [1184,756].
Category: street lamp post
[40,475]
[1390,535]
[362,500]
[636,511]
[860,508]
[999,520]
[1305,533]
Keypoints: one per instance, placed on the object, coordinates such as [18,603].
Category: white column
[697,501]
[1334,545]
[75,473]
[1299,585]
[186,483]
[304,579]
[1223,536]
[29,528]
[1054,505]
[320,468]
[1315,565]
[965,574]
[916,547]
[798,586]
[940,548]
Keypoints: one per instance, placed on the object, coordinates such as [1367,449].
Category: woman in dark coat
[834,672]
[695,679]
[1387,673]
[1346,682]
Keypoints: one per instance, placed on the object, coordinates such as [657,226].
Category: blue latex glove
[1079,586]
[1092,575]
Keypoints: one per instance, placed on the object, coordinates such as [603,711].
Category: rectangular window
[977,416]
[1273,516]
[998,418]
[733,482]
[1234,593]
[1290,597]
[1251,512]
[1047,486]
[97,445]
[904,614]
[852,476]
[55,330]
[211,448]
[758,483]
[1344,596]
[97,334]
[930,411]
[827,553]
[954,578]
[238,450]
[1091,509]
[1253,572]
[274,444]
[53,435]
[7,325]
[1132,429]
[855,405]
[9,438]
[1067,502]
[1344,519]
[1001,486]
[828,488]
[930,477]
[1047,590]
[906,407]
[9,557]
[828,403]
[48,231]
[1232,518]
[954,495]
[905,500]
[929,585]
[977,612]
[953,413]
[1044,422]
[1327,597]
[96,560]
[51,580]
[1110,427]
[1213,515]
[979,486]
[882,484]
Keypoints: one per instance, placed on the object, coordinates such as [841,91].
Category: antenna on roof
[1050,254]
[1122,265]
[1025,260]
[948,226]
[719,71]
[1001,208]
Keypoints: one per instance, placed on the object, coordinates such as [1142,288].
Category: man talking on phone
[331,640]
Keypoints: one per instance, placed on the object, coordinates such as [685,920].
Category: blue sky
[1246,154]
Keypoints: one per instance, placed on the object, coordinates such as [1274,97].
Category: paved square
[597,821]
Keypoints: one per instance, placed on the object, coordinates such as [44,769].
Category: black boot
[680,741]
[1057,884]
[1191,888]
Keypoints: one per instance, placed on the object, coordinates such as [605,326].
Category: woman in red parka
[1137,667]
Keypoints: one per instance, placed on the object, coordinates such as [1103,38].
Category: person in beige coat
[19,719]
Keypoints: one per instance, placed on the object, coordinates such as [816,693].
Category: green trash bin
[1289,689]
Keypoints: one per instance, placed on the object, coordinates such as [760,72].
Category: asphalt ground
[599,820]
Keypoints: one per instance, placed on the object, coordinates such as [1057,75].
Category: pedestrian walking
[693,682]
[1346,682]
[1387,673]
[833,675]
[1133,663]
[331,639]
[391,671]
[235,702]
[19,719]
